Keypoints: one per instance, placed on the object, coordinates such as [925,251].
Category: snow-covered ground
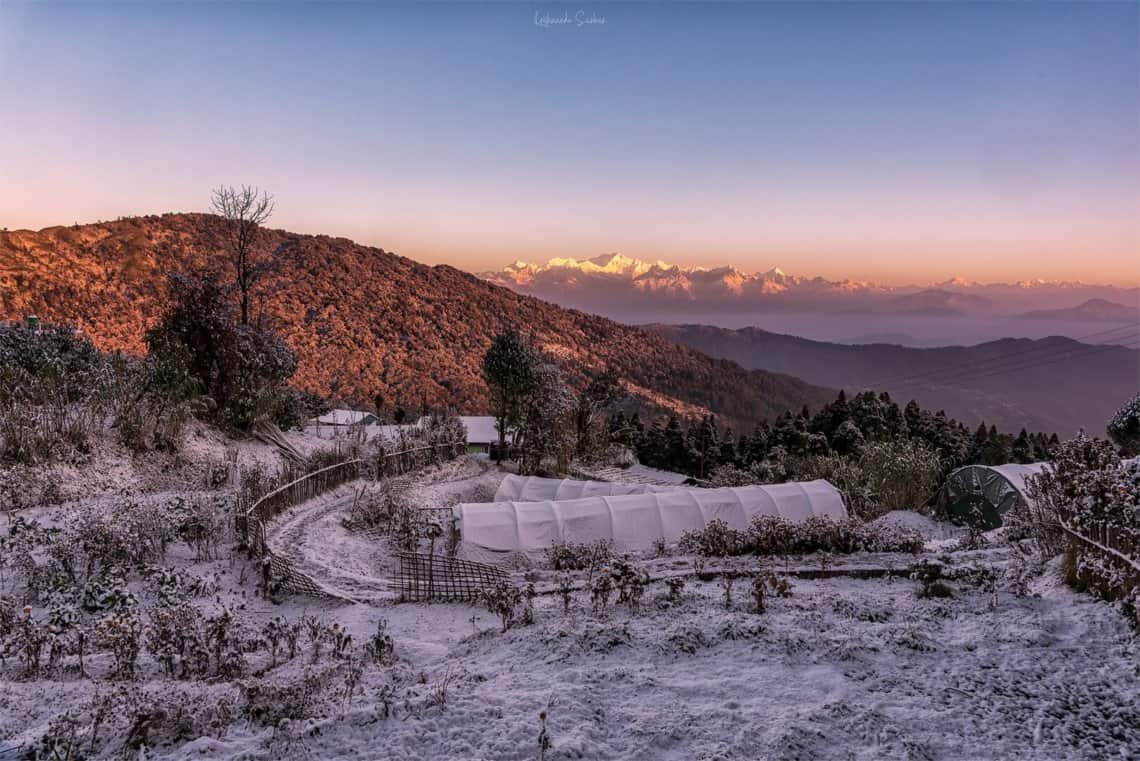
[842,669]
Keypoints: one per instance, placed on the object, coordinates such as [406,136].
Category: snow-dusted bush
[388,511]
[614,456]
[22,486]
[1124,427]
[380,646]
[770,535]
[901,474]
[50,405]
[566,592]
[930,576]
[845,474]
[502,599]
[173,637]
[269,702]
[121,634]
[716,539]
[768,471]
[1085,489]
[571,556]
[202,523]
[600,590]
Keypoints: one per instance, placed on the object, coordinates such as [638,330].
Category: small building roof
[481,429]
[345,417]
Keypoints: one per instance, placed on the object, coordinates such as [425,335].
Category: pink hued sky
[899,143]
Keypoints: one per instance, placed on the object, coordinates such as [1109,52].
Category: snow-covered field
[841,669]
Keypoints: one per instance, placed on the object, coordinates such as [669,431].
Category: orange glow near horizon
[899,143]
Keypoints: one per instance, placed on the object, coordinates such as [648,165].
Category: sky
[895,142]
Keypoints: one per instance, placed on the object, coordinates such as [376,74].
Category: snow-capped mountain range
[604,281]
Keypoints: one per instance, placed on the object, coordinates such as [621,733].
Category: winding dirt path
[314,538]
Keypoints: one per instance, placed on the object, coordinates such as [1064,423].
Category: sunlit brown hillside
[364,321]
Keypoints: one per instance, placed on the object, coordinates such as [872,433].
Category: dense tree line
[843,427]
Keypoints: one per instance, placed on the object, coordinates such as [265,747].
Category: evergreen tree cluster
[843,427]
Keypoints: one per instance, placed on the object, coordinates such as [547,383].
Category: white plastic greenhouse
[636,521]
[535,489]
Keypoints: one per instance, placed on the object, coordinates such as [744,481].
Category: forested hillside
[364,322]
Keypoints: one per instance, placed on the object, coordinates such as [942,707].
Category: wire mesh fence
[299,487]
[427,578]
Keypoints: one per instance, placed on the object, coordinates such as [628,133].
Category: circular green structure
[986,492]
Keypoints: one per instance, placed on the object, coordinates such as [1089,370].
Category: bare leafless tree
[245,209]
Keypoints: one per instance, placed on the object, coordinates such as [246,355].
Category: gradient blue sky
[887,141]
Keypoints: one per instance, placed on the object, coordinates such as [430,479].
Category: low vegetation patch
[768,535]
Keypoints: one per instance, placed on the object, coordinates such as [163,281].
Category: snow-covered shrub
[274,633]
[270,702]
[124,534]
[223,638]
[734,627]
[63,740]
[380,646]
[18,551]
[685,638]
[340,640]
[764,581]
[201,523]
[502,599]
[570,556]
[22,486]
[121,634]
[152,398]
[716,539]
[846,474]
[1124,427]
[26,641]
[636,590]
[600,591]
[50,394]
[768,471]
[929,575]
[385,698]
[771,535]
[901,474]
[526,618]
[1085,489]
[727,581]
[172,638]
[566,592]
[613,456]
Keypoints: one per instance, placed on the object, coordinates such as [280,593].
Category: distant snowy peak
[606,281]
[643,275]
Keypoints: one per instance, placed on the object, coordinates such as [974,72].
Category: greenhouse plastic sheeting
[985,492]
[535,489]
[636,521]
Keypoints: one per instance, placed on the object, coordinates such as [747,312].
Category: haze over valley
[954,311]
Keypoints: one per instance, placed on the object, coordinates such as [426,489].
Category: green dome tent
[991,490]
